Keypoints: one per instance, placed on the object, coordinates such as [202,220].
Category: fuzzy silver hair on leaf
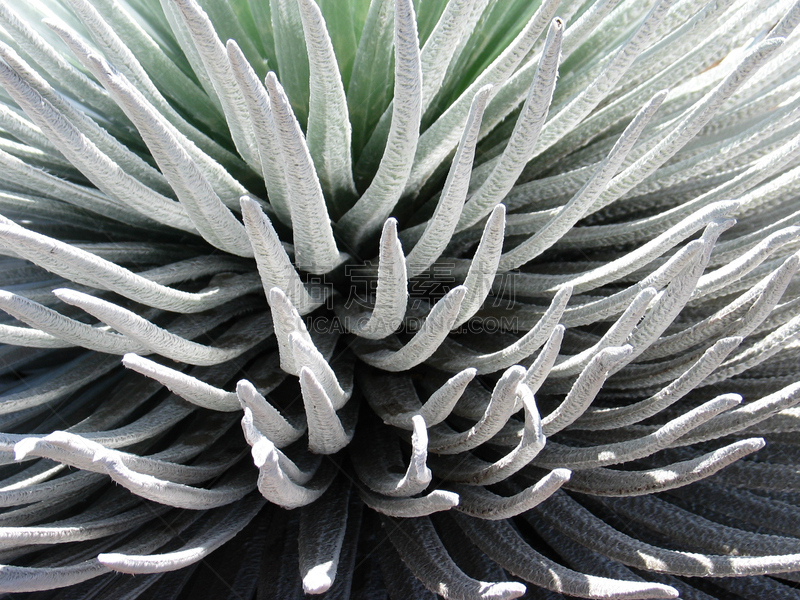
[399,299]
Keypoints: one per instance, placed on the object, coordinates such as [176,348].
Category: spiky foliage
[348,257]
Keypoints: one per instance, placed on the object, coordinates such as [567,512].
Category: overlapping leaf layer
[394,298]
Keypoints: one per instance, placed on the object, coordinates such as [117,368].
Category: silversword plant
[393,298]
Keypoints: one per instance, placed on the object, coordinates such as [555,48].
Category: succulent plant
[350,297]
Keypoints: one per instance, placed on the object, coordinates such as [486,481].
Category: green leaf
[228,26]
[428,13]
[291,55]
[244,14]
[372,82]
[344,31]
[159,65]
[262,20]
[500,23]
